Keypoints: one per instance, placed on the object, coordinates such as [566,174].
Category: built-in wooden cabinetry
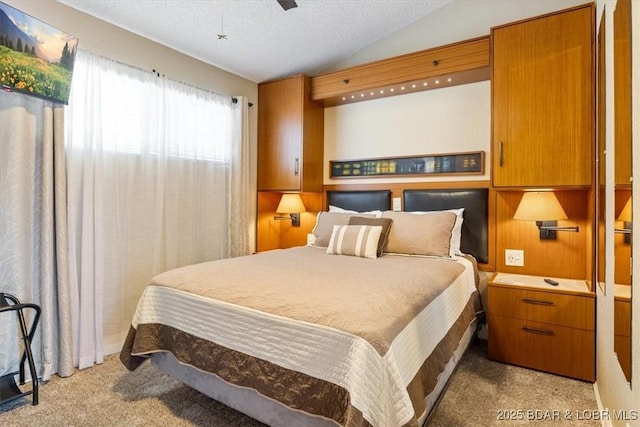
[543,137]
[290,136]
[540,326]
[622,91]
[622,328]
[290,158]
[543,100]
[443,66]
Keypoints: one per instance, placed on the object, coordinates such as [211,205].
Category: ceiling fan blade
[287,4]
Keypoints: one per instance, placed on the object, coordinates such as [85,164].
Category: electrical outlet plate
[514,257]
[397,203]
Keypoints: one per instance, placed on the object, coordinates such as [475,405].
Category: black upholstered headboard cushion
[475,201]
[360,201]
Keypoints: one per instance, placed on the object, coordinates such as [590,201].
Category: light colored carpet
[109,395]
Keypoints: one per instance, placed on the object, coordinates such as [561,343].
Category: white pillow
[456,233]
[355,240]
[377,213]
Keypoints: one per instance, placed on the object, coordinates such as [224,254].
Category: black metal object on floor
[9,390]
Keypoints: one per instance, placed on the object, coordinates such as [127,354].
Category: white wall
[613,391]
[102,38]
[448,120]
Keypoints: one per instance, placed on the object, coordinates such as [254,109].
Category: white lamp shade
[290,203]
[539,206]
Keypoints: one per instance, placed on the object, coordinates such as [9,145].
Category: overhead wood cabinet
[543,96]
[444,66]
[622,91]
[290,136]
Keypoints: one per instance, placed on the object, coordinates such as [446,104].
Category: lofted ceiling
[258,39]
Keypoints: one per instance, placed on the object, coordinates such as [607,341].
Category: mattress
[352,341]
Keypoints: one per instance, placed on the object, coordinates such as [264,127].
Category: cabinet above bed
[543,100]
[290,136]
[449,65]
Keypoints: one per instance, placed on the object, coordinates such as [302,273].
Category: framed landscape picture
[35,58]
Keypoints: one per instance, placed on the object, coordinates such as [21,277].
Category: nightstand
[540,326]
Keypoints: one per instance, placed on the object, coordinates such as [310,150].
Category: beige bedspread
[374,299]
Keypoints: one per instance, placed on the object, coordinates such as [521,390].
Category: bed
[323,335]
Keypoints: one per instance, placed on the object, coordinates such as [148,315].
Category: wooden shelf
[449,65]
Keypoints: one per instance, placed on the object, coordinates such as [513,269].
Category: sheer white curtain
[33,237]
[150,162]
[239,212]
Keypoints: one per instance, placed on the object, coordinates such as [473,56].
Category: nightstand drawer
[556,349]
[573,311]
[622,318]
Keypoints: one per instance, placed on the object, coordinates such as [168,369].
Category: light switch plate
[514,257]
[397,203]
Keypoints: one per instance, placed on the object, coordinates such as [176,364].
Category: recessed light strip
[415,87]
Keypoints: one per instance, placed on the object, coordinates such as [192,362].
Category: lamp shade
[290,203]
[539,206]
[625,215]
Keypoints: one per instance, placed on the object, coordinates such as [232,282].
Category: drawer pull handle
[501,154]
[296,170]
[537,302]
[537,331]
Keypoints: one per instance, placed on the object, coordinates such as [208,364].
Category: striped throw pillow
[355,240]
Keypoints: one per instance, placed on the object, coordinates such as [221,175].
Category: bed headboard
[361,201]
[475,233]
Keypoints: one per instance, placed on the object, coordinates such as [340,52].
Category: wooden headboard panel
[475,228]
[361,201]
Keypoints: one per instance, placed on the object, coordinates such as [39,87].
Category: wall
[104,39]
[612,389]
[447,120]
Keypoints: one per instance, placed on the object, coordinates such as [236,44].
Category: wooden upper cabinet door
[622,90]
[280,134]
[543,100]
[290,136]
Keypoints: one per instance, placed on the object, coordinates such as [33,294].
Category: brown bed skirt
[294,389]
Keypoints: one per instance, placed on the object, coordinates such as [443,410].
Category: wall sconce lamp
[625,216]
[290,204]
[544,208]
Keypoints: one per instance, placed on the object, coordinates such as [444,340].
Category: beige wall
[448,120]
[102,38]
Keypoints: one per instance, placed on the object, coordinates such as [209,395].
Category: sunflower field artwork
[35,58]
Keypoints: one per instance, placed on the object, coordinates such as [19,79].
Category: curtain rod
[158,74]
[235,101]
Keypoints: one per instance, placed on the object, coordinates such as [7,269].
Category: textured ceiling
[262,42]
